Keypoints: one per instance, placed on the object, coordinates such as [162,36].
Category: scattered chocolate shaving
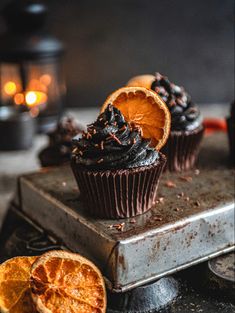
[197,203]
[170,184]
[80,152]
[180,195]
[102,145]
[186,198]
[158,218]
[177,209]
[132,221]
[186,178]
[100,161]
[119,227]
[197,172]
[64,183]
[44,170]
[160,200]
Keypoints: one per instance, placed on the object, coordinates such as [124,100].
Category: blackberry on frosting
[112,143]
[185,115]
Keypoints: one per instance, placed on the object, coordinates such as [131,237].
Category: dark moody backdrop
[108,41]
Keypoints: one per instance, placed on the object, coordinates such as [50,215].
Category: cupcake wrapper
[231,138]
[119,193]
[182,149]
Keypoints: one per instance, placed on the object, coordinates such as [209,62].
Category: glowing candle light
[19,98]
[45,79]
[10,88]
[34,98]
[31,98]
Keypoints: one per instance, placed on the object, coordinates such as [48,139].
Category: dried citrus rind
[144,108]
[64,282]
[15,295]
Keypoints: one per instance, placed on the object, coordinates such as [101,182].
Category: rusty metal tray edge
[215,242]
[116,282]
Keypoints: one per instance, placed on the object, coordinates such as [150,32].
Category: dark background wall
[108,41]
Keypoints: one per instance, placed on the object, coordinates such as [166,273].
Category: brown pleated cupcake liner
[182,149]
[117,194]
[231,139]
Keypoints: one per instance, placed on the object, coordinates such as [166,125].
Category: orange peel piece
[145,80]
[144,108]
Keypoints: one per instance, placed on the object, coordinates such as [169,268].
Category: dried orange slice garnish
[15,295]
[144,108]
[145,80]
[64,282]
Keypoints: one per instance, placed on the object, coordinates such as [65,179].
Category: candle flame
[45,79]
[10,88]
[35,98]
[19,98]
[36,95]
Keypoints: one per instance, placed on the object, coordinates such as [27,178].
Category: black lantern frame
[31,63]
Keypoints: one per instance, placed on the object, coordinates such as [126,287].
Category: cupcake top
[112,143]
[185,115]
[66,129]
[59,149]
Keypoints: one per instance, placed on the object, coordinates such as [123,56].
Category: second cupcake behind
[187,130]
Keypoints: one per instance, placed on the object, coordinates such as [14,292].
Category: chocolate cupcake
[187,130]
[59,149]
[113,165]
[231,133]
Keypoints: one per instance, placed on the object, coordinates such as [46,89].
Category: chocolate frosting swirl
[185,115]
[112,143]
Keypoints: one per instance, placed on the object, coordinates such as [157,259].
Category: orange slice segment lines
[144,108]
[64,282]
[15,296]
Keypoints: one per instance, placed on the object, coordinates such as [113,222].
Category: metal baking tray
[193,221]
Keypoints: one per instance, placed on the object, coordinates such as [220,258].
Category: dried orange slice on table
[144,108]
[15,296]
[64,282]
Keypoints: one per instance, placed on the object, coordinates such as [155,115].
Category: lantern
[30,64]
